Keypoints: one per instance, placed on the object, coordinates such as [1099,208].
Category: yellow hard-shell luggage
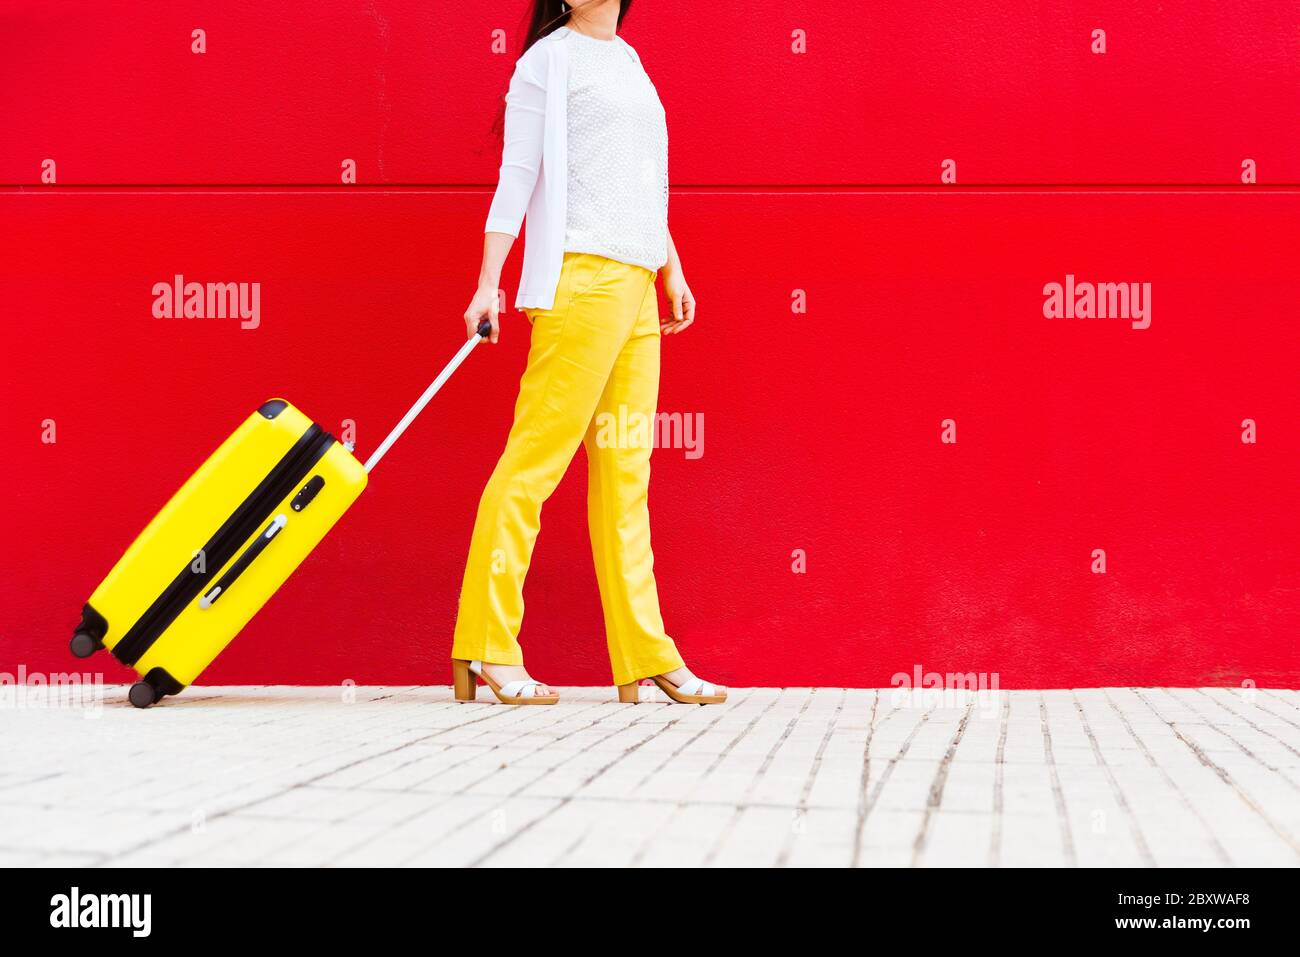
[226,542]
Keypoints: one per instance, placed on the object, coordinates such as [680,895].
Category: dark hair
[550,15]
[547,16]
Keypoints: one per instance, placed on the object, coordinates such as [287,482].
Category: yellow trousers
[592,379]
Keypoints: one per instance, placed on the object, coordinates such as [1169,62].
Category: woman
[586,158]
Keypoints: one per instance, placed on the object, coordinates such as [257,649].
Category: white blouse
[585,158]
[618,156]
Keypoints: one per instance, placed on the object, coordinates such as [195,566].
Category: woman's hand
[679,294]
[484,305]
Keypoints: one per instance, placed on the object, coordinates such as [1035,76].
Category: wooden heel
[462,679]
[630,694]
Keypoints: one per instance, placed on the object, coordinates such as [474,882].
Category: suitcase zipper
[243,522]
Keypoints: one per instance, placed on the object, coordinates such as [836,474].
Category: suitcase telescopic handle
[484,330]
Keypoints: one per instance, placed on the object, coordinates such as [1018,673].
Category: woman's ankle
[503,674]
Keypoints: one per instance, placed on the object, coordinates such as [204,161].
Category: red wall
[887,90]
[821,430]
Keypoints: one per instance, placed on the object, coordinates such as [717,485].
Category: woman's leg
[574,346]
[618,442]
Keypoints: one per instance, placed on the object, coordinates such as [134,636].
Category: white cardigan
[534,166]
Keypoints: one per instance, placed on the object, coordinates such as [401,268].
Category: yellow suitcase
[226,542]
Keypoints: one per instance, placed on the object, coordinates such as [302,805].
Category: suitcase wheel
[143,694]
[84,644]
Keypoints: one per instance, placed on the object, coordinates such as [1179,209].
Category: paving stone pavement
[245,776]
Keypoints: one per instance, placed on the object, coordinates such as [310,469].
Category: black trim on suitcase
[93,623]
[163,682]
[242,523]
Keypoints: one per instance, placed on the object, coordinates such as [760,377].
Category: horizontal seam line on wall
[759,189]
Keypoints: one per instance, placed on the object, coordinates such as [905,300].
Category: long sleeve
[521,155]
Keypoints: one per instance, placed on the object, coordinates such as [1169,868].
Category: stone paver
[784,777]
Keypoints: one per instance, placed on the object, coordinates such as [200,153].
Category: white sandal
[694,691]
[464,674]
